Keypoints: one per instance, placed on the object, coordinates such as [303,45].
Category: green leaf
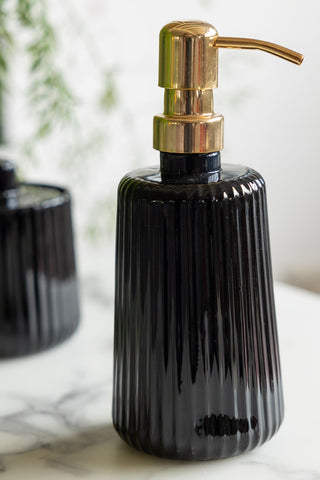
[109,95]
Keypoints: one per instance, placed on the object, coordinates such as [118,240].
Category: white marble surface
[55,407]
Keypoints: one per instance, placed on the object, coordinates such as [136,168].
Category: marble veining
[55,407]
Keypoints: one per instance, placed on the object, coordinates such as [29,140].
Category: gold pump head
[188,70]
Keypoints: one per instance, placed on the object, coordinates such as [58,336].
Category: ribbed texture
[196,372]
[38,287]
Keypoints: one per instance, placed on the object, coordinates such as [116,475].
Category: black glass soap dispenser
[196,360]
[38,284]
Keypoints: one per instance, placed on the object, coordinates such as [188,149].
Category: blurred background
[78,90]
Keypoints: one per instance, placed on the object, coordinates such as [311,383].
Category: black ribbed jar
[38,285]
[196,360]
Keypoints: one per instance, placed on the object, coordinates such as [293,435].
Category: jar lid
[16,195]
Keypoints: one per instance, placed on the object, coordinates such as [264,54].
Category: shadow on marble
[86,452]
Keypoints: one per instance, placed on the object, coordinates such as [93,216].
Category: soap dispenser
[196,358]
[39,304]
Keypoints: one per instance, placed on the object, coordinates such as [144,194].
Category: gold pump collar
[188,70]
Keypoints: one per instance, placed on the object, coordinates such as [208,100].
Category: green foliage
[51,100]
[109,95]
[25,29]
[49,93]
[6,41]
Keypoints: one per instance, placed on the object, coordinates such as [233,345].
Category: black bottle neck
[190,167]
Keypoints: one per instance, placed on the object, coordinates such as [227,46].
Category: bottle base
[213,448]
[13,347]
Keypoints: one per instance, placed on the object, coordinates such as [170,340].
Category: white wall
[271,107]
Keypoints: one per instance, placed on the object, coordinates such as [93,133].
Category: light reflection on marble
[55,407]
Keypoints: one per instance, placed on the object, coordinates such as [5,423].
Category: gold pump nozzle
[188,70]
[254,44]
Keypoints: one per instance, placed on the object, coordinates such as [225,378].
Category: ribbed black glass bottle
[196,360]
[39,304]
